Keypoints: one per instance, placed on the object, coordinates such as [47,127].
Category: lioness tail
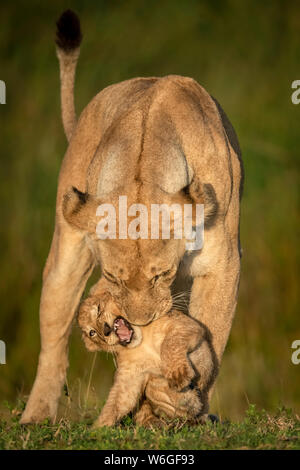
[68,39]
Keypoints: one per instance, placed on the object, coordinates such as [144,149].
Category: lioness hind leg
[67,269]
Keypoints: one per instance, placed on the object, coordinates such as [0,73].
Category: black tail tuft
[68,33]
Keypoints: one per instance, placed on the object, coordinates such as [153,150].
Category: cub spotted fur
[156,372]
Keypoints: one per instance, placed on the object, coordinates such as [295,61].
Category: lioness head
[102,325]
[139,272]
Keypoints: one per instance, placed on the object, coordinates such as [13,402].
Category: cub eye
[92,333]
[166,273]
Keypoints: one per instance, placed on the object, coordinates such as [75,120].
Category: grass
[257,430]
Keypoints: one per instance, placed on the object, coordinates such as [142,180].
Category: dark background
[246,54]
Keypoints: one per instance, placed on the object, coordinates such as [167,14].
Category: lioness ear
[79,210]
[204,194]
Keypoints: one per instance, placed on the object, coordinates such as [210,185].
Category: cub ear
[79,209]
[202,193]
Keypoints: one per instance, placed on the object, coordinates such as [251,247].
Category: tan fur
[147,138]
[157,366]
[68,63]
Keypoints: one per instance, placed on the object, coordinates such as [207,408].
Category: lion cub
[155,367]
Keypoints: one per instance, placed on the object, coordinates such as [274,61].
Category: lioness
[156,362]
[154,140]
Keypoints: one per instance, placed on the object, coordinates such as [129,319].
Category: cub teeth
[116,325]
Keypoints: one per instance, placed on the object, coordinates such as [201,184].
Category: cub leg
[123,398]
[167,402]
[145,416]
[183,337]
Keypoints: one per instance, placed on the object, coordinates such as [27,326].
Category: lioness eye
[158,276]
[110,277]
[92,333]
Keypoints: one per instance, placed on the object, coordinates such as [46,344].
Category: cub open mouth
[123,330]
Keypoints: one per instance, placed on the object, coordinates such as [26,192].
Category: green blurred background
[246,54]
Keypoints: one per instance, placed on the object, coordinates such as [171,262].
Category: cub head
[103,327]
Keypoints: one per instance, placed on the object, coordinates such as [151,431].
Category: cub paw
[152,423]
[103,421]
[180,377]
[192,403]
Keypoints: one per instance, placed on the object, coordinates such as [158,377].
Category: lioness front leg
[213,302]
[67,269]
[122,399]
[183,337]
